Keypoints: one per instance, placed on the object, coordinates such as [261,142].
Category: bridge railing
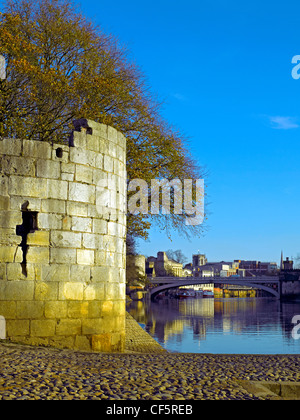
[207,280]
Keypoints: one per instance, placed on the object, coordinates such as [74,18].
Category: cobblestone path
[153,374]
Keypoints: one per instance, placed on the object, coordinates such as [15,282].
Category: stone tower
[62,239]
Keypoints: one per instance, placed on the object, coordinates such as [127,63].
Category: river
[221,325]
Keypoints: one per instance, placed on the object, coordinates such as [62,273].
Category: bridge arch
[174,284]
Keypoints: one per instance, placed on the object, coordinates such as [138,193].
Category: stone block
[100,274]
[56,309]
[8,309]
[82,156]
[2,289]
[92,240]
[118,341]
[101,342]
[55,272]
[107,308]
[110,259]
[118,167]
[4,203]
[78,309]
[84,174]
[108,163]
[68,327]
[79,139]
[30,310]
[37,149]
[100,257]
[42,328]
[94,309]
[11,147]
[120,245]
[121,231]
[81,224]
[100,226]
[77,209]
[10,254]
[16,202]
[47,169]
[112,228]
[37,269]
[57,189]
[82,192]
[17,328]
[71,291]
[82,343]
[101,130]
[46,291]
[53,206]
[9,219]
[92,211]
[121,156]
[17,165]
[4,180]
[112,134]
[100,179]
[110,243]
[67,177]
[114,291]
[38,237]
[14,272]
[19,290]
[28,186]
[92,326]
[92,142]
[85,257]
[94,292]
[49,221]
[120,260]
[8,237]
[64,239]
[68,168]
[119,309]
[38,254]
[122,141]
[62,256]
[103,202]
[81,273]
[3,271]
[98,164]
[112,150]
[66,223]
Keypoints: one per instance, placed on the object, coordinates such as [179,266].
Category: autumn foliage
[61,67]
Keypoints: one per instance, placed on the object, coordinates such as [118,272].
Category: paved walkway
[43,373]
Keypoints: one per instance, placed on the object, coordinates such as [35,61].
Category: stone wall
[62,239]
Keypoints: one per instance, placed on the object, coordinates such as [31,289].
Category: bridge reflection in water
[269,284]
[234,325]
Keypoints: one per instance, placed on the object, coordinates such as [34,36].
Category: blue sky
[223,70]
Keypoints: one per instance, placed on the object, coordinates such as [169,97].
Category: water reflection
[228,325]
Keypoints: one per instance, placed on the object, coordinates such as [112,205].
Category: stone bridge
[268,284]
